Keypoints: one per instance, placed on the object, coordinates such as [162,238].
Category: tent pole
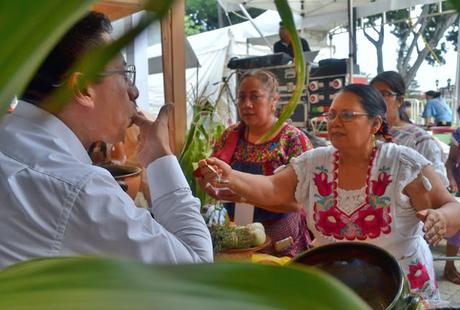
[351,36]
[457,82]
[243,9]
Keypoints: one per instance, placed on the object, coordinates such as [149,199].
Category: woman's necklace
[335,175]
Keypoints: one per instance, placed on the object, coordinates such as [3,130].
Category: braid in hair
[384,131]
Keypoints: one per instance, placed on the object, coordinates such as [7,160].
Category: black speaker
[259,61]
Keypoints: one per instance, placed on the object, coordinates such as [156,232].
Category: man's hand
[154,136]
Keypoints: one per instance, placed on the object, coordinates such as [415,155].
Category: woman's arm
[436,207]
[274,192]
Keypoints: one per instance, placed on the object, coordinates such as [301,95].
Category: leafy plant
[103,283]
[206,127]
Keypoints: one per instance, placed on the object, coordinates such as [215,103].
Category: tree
[204,13]
[191,27]
[419,39]
[378,43]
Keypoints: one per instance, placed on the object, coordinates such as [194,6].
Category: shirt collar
[55,127]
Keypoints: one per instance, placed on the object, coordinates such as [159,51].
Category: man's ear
[82,92]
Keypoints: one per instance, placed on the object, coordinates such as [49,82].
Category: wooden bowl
[242,254]
[251,250]
[128,177]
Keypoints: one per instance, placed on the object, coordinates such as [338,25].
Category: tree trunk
[378,44]
[408,50]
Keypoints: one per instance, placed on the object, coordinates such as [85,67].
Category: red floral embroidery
[370,220]
[373,221]
[324,187]
[330,223]
[418,275]
[379,186]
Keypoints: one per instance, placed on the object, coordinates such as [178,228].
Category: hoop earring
[373,140]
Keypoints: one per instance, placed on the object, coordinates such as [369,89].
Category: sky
[367,60]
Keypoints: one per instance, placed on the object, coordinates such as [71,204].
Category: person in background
[391,86]
[436,108]
[55,202]
[406,108]
[453,173]
[239,146]
[360,189]
[284,44]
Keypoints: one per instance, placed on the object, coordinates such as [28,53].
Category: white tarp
[214,49]
[327,14]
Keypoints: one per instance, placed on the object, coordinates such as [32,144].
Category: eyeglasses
[253,98]
[345,116]
[129,73]
[386,93]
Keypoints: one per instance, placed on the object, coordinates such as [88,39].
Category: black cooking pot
[370,271]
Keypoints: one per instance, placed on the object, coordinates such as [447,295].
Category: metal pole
[436,258]
[457,81]
[243,9]
[351,36]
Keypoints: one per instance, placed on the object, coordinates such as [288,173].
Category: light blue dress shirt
[438,109]
[54,202]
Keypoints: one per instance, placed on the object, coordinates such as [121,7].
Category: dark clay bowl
[370,271]
[128,177]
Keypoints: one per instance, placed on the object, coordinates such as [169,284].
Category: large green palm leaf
[29,29]
[102,283]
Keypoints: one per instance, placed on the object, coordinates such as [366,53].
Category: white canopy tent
[214,48]
[327,14]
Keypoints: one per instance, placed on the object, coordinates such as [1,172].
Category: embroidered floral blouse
[264,158]
[418,139]
[378,213]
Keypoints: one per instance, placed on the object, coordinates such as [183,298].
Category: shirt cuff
[165,175]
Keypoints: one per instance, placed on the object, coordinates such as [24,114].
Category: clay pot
[129,178]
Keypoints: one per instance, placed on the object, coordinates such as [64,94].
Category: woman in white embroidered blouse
[392,87]
[359,189]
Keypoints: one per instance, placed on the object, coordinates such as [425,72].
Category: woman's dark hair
[266,78]
[433,93]
[374,104]
[396,83]
[83,36]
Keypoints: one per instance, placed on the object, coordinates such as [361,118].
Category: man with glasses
[55,202]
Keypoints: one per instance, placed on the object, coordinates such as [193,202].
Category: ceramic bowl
[128,177]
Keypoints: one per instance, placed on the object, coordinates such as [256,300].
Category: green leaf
[103,283]
[299,62]
[37,28]
[94,61]
[456,5]
[28,30]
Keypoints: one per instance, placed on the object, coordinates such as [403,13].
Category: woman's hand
[213,177]
[434,225]
[215,171]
